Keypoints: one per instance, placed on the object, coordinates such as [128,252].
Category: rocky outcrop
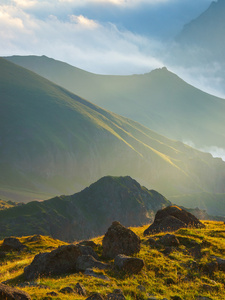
[88,250]
[172,218]
[9,293]
[60,261]
[12,244]
[120,240]
[132,265]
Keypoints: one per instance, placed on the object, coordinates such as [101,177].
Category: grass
[163,276]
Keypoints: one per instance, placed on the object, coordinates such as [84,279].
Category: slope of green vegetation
[179,274]
[159,100]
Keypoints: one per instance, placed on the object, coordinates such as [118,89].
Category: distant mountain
[53,142]
[159,100]
[207,32]
[200,48]
[85,214]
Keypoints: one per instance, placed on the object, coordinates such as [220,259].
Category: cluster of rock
[119,244]
[173,218]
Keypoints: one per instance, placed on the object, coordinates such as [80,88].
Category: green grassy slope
[159,100]
[54,142]
[179,275]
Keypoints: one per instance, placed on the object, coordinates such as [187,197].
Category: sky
[100,36]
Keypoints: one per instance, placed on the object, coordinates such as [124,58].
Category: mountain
[200,49]
[53,142]
[207,32]
[159,100]
[87,213]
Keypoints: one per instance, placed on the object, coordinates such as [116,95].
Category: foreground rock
[60,261]
[120,240]
[172,218]
[12,244]
[9,293]
[132,265]
[169,240]
[116,295]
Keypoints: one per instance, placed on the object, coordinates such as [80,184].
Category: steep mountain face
[200,48]
[207,32]
[85,214]
[159,100]
[53,142]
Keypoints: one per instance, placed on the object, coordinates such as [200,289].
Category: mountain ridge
[159,100]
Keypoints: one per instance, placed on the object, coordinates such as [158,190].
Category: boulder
[80,289]
[67,290]
[132,265]
[87,250]
[96,296]
[120,240]
[169,240]
[9,293]
[172,218]
[59,261]
[116,295]
[221,263]
[88,243]
[87,261]
[12,244]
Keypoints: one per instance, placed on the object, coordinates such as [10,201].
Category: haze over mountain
[159,100]
[200,49]
[54,142]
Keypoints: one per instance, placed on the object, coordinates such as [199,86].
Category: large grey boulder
[171,219]
[132,265]
[9,293]
[59,261]
[120,240]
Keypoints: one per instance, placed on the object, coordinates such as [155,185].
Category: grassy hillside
[159,100]
[179,274]
[54,142]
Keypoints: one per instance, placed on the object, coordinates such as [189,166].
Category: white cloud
[83,42]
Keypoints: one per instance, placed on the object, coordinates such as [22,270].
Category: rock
[88,244]
[168,250]
[141,288]
[172,218]
[196,251]
[90,272]
[2,254]
[67,290]
[203,298]
[12,244]
[220,262]
[116,295]
[80,289]
[210,267]
[9,293]
[128,264]
[170,281]
[96,296]
[54,294]
[176,298]
[59,261]
[120,240]
[87,250]
[151,242]
[169,240]
[87,261]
